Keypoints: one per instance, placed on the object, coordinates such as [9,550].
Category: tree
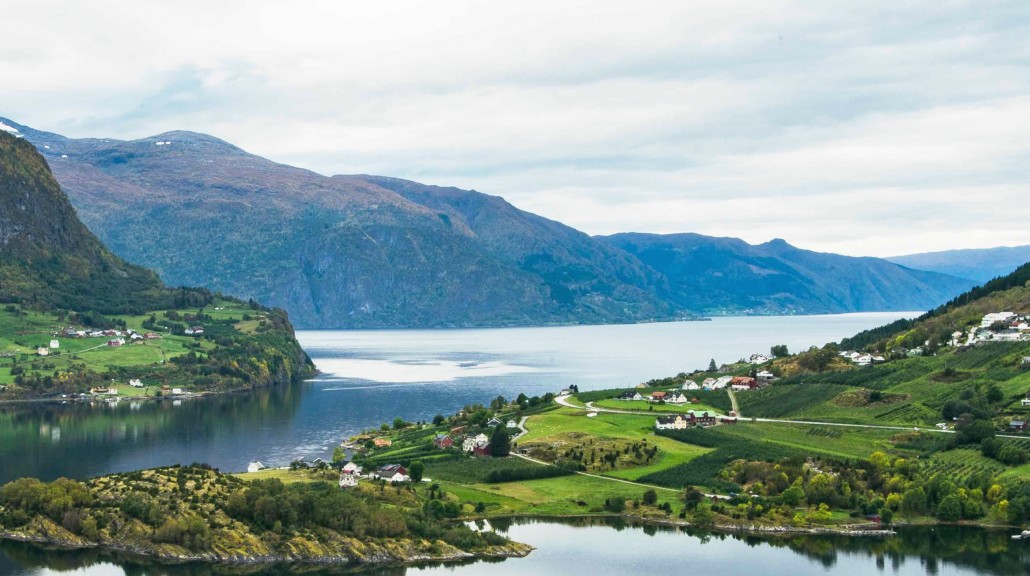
[950,509]
[779,351]
[650,497]
[793,496]
[438,419]
[913,501]
[886,516]
[974,432]
[711,365]
[415,470]
[694,498]
[498,403]
[500,442]
[994,394]
[399,423]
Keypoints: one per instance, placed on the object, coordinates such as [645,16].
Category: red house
[443,441]
[482,449]
[748,381]
[700,418]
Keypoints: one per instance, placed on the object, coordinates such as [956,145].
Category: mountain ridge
[364,251]
[978,264]
[727,275]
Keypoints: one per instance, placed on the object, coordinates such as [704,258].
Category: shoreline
[417,552]
[379,557]
[147,398]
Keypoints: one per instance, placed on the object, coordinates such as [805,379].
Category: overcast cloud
[846,126]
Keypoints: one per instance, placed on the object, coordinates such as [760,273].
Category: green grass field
[22,332]
[565,495]
[558,424]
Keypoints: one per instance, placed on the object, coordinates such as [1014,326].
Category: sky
[863,128]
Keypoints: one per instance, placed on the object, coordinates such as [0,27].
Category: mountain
[979,265]
[58,283]
[346,251]
[47,256]
[727,275]
[360,251]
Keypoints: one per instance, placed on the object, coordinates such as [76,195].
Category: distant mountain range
[727,275]
[377,252]
[979,265]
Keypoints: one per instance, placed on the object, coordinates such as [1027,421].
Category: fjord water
[602,547]
[371,377]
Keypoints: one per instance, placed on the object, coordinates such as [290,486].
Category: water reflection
[82,440]
[606,546]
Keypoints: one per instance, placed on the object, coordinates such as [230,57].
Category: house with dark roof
[393,473]
[443,441]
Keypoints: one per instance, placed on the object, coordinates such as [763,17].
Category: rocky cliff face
[47,256]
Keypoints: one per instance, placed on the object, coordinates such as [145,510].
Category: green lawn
[556,424]
[834,440]
[558,496]
[23,331]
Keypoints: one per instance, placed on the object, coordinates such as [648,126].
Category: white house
[708,383]
[177,391]
[471,442]
[765,375]
[43,351]
[351,468]
[677,422]
[136,383]
[993,317]
[255,466]
[348,480]
[54,344]
[759,359]
[677,398]
[721,382]
[690,385]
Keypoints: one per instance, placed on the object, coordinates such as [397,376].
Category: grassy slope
[21,333]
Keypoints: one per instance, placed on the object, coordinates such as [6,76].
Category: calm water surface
[371,377]
[601,548]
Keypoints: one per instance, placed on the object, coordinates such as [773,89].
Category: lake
[371,377]
[602,547]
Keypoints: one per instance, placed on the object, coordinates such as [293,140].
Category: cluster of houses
[120,334]
[350,473]
[136,383]
[115,338]
[995,327]
[474,444]
[657,397]
[862,358]
[689,419]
